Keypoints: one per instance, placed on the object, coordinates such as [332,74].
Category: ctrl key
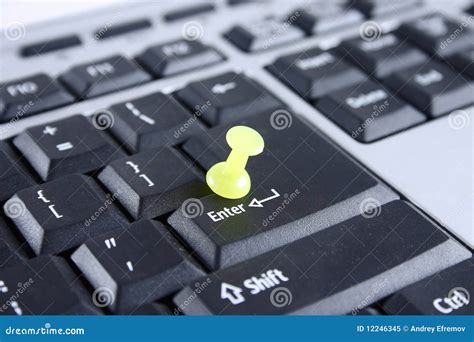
[41,287]
[445,293]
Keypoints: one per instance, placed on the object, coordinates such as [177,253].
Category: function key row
[39,93]
[362,84]
[314,18]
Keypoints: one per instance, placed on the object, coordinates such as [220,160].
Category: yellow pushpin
[229,179]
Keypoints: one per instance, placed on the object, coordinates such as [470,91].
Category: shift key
[301,184]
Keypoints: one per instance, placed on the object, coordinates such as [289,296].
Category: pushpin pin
[229,179]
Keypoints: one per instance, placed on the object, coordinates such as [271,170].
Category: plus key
[66,146]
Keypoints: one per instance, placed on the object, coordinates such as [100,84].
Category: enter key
[301,184]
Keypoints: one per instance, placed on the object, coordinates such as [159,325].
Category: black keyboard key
[51,45]
[438,35]
[231,97]
[31,95]
[464,62]
[40,287]
[445,293]
[12,175]
[325,16]
[152,121]
[157,181]
[375,8]
[123,28]
[471,9]
[264,34]
[433,88]
[66,146]
[104,76]
[315,183]
[332,271]
[242,2]
[189,12]
[177,57]
[314,73]
[138,265]
[368,111]
[382,56]
[63,213]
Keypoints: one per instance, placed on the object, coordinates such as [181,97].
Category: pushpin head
[229,179]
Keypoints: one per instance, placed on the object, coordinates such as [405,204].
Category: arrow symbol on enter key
[255,203]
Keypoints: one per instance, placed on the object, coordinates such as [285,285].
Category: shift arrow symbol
[258,203]
[232,293]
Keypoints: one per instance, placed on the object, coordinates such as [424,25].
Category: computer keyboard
[361,202]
